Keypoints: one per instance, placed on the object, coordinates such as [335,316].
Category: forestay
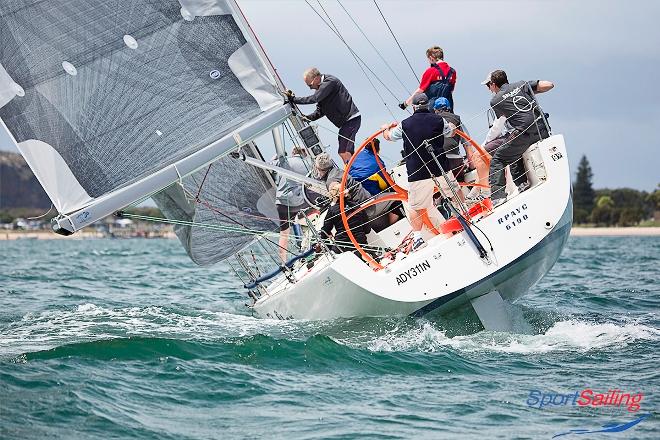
[112,101]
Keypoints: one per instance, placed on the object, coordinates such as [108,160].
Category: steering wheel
[400,194]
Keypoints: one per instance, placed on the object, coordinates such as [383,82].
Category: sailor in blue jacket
[367,171]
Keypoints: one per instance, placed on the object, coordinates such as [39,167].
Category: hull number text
[412,272]
[514,217]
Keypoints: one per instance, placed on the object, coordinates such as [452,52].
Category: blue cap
[441,102]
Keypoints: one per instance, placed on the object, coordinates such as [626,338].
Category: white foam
[562,336]
[88,322]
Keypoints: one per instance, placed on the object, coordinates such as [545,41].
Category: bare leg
[345,156]
[478,163]
[393,217]
[284,244]
[416,221]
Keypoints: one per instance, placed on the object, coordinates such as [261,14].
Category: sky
[602,56]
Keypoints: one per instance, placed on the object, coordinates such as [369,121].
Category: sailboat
[111,106]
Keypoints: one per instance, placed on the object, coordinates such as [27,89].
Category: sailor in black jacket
[422,166]
[334,102]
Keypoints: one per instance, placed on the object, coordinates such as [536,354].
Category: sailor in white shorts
[422,167]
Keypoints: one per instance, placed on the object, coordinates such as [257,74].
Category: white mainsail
[110,101]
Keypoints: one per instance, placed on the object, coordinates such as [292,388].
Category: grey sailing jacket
[332,100]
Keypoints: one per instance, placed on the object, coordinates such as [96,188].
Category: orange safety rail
[449,226]
[483,153]
[399,194]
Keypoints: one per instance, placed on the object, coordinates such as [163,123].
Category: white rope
[42,215]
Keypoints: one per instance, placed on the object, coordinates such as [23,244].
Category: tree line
[610,207]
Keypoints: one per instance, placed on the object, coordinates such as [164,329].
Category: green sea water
[127,339]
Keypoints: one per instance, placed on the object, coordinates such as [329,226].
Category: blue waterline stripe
[446,298]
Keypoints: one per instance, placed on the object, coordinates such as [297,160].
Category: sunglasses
[311,83]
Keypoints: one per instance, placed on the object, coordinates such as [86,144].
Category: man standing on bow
[515,103]
[333,101]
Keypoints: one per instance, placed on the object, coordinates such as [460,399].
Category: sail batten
[112,101]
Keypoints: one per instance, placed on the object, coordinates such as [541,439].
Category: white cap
[488,78]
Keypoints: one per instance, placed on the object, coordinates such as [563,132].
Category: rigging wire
[358,60]
[355,56]
[222,228]
[217,211]
[238,230]
[405,88]
[397,42]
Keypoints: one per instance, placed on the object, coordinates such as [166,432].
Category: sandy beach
[45,235]
[612,232]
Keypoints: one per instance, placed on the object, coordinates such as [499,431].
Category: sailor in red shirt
[438,80]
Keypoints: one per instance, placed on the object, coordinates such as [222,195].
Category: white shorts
[420,193]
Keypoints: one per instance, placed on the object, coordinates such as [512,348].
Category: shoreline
[630,231]
[82,235]
[576,231]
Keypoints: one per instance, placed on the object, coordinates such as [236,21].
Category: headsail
[112,101]
[229,194]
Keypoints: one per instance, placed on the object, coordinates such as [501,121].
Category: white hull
[528,233]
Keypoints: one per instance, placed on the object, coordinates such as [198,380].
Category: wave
[140,326]
[569,335]
[88,322]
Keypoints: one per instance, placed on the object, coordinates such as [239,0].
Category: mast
[295,118]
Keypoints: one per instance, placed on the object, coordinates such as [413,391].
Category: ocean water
[126,339]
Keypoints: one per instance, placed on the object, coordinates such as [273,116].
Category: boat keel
[493,312]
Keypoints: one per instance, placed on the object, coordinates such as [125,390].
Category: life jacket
[441,87]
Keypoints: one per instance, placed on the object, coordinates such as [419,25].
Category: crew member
[289,198]
[515,103]
[442,107]
[422,167]
[438,80]
[357,223]
[333,101]
[381,215]
[366,169]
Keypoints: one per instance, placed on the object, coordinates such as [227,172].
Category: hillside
[18,186]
